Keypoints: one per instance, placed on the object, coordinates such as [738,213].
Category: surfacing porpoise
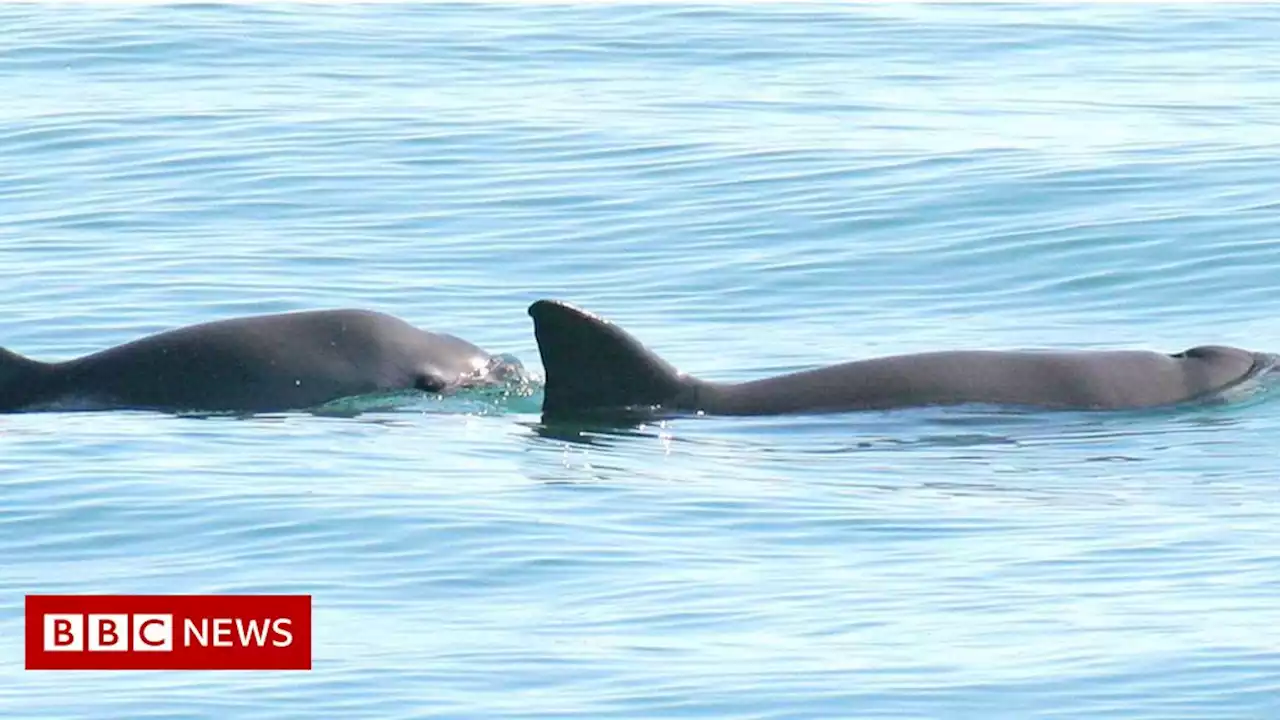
[265,363]
[593,366]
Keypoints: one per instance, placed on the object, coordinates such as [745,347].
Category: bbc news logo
[168,632]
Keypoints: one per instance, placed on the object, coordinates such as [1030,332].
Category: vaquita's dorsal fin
[593,365]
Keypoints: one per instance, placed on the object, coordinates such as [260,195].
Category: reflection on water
[750,189]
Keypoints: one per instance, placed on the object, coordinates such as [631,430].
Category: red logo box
[168,632]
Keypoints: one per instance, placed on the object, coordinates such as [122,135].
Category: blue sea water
[749,189]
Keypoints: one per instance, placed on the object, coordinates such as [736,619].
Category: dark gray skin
[593,366]
[266,363]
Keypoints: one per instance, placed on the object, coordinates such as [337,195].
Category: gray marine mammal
[595,366]
[264,363]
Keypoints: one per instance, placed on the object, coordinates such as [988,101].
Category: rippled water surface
[748,189]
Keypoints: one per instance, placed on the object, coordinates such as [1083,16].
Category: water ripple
[750,190]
